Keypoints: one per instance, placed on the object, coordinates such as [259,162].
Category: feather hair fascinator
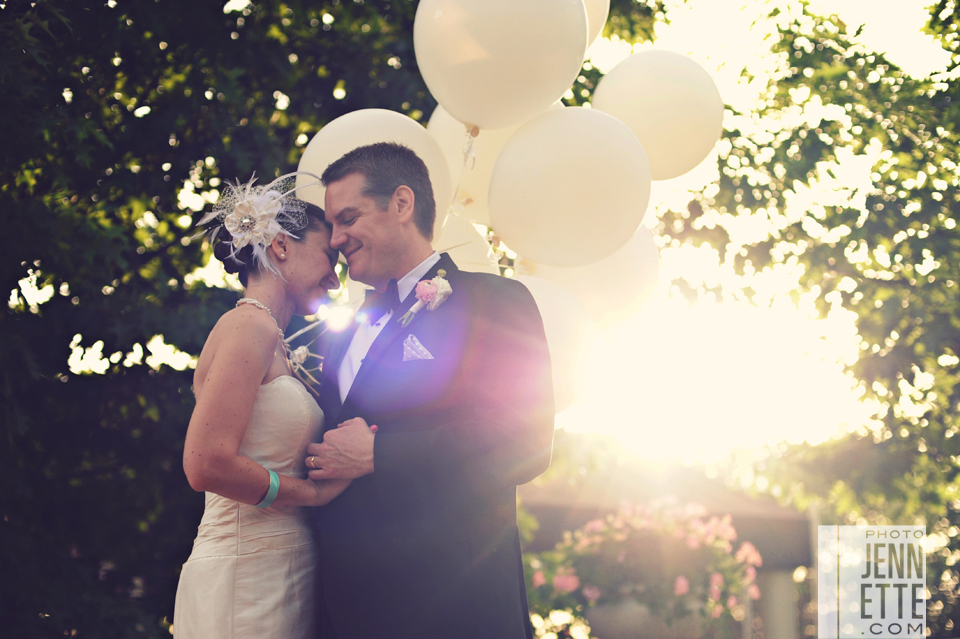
[252,215]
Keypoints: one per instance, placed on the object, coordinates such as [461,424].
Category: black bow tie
[376,305]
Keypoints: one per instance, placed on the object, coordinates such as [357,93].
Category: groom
[424,542]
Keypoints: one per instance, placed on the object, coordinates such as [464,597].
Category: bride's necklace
[262,306]
[295,358]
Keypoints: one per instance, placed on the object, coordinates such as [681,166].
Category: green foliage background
[96,515]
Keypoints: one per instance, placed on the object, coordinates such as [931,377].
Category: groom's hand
[345,453]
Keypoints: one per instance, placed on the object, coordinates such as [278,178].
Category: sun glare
[337,317]
[693,383]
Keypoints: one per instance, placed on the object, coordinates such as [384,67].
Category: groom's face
[364,233]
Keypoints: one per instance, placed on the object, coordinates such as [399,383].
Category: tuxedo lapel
[394,329]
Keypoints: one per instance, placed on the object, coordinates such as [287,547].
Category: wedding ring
[310,460]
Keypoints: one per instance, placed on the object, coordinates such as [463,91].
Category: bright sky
[692,383]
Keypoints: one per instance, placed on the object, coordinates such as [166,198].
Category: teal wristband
[271,492]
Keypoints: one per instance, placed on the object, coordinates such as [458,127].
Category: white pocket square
[413,349]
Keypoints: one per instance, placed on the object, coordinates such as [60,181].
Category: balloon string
[307,328]
[469,161]
[469,158]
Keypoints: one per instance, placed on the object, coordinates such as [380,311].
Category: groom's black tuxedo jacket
[427,546]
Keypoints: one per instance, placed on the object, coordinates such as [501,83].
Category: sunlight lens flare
[694,383]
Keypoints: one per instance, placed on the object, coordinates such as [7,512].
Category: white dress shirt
[367,332]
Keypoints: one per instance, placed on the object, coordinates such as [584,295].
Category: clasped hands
[344,453]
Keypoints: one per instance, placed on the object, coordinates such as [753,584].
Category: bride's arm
[211,454]
[328,489]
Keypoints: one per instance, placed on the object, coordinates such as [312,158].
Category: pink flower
[716,580]
[753,592]
[538,579]
[591,593]
[751,574]
[594,526]
[693,543]
[681,586]
[714,593]
[566,580]
[430,293]
[731,601]
[717,611]
[748,554]
[426,291]
[725,530]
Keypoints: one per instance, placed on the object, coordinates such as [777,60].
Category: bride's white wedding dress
[251,570]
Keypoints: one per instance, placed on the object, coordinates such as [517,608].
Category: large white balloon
[494,63]
[615,287]
[670,102]
[570,187]
[470,250]
[597,12]
[474,176]
[570,336]
[369,126]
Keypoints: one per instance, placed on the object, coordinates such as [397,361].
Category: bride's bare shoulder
[246,320]
[244,328]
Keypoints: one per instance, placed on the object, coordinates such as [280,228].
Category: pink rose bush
[716,583]
[566,580]
[538,579]
[749,555]
[591,593]
[675,561]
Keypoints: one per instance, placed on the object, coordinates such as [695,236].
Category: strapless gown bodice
[251,570]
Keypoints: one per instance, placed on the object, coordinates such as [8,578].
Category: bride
[251,570]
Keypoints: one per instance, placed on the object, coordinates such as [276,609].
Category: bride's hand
[328,489]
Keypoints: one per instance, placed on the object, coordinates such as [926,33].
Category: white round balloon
[672,105]
[570,187]
[495,63]
[570,335]
[615,287]
[369,126]
[468,248]
[597,12]
[474,176]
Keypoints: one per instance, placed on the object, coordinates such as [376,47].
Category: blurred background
[790,360]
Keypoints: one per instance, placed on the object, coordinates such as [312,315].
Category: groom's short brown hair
[386,166]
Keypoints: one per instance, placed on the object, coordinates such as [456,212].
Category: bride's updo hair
[243,260]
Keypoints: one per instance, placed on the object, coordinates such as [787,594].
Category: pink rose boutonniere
[430,294]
